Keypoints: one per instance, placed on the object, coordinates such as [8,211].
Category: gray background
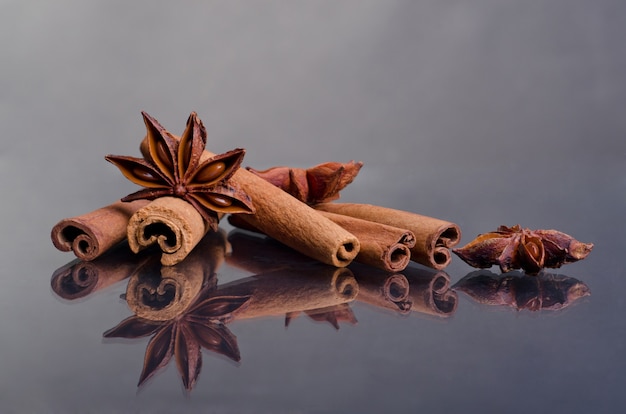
[480,112]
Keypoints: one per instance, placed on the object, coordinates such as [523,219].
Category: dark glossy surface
[481,112]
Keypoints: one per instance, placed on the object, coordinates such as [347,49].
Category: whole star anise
[518,248]
[172,167]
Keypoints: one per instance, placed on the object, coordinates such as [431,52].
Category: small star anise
[172,167]
[517,248]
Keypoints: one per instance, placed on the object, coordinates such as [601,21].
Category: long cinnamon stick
[171,223]
[92,234]
[433,237]
[292,222]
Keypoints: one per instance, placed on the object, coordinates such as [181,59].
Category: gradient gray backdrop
[483,112]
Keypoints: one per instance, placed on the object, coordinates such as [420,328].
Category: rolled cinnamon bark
[285,291]
[171,223]
[92,234]
[292,222]
[382,246]
[433,237]
[431,292]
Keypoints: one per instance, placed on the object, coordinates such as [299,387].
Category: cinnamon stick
[382,246]
[92,234]
[292,222]
[433,237]
[169,222]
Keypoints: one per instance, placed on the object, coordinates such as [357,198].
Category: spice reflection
[545,292]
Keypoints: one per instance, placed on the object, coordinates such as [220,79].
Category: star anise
[314,185]
[172,167]
[518,248]
[203,325]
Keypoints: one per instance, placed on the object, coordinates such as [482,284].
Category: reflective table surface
[483,113]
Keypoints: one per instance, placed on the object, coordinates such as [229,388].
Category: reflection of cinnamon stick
[292,222]
[259,254]
[160,293]
[433,237]
[431,292]
[383,290]
[284,291]
[92,234]
[171,223]
[80,278]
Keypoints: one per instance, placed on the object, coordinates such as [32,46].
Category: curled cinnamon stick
[433,237]
[171,223]
[292,222]
[382,246]
[92,234]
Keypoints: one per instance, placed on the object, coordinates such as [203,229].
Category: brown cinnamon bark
[433,237]
[92,234]
[382,246]
[171,223]
[292,222]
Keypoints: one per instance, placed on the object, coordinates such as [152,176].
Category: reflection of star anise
[545,292]
[172,167]
[331,314]
[517,248]
[318,184]
[201,326]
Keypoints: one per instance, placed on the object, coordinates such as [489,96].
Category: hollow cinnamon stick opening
[382,246]
[171,223]
[292,222]
[433,237]
[92,234]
